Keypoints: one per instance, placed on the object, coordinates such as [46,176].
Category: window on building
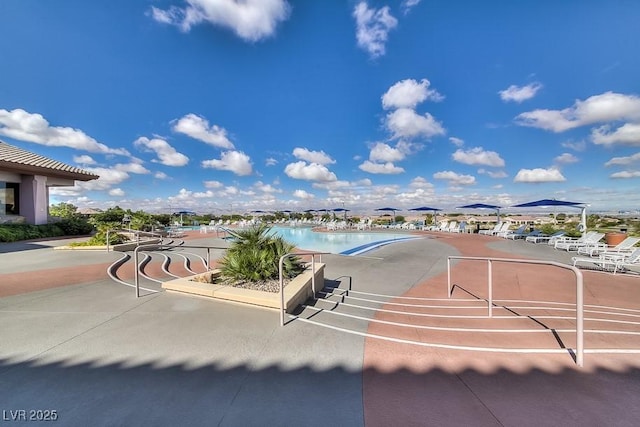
[9,198]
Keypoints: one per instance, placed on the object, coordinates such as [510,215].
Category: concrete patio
[78,343]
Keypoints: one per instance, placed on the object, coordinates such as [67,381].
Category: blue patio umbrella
[428,208]
[553,202]
[341,210]
[182,213]
[387,209]
[483,206]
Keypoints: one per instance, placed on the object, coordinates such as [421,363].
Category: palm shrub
[254,256]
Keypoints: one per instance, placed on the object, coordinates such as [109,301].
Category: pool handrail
[579,291]
[137,234]
[136,273]
[281,276]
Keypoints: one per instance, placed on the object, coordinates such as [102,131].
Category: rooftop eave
[35,170]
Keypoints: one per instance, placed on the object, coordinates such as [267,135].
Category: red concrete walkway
[408,385]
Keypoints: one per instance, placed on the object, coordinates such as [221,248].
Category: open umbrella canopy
[553,202]
[479,206]
[482,206]
[393,210]
[425,208]
[547,202]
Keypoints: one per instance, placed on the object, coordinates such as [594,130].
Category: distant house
[25,179]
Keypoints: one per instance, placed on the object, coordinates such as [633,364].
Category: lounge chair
[545,237]
[460,228]
[503,233]
[523,235]
[613,261]
[495,229]
[590,238]
[626,246]
[511,234]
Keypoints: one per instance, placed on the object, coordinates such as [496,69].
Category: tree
[64,210]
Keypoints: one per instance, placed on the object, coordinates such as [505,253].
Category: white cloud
[627,134]
[136,168]
[266,188]
[407,5]
[406,123]
[116,192]
[309,172]
[539,175]
[167,155]
[372,28]
[213,184]
[108,179]
[251,20]
[198,128]
[576,146]
[624,160]
[408,94]
[455,179]
[478,156]
[84,160]
[456,141]
[565,158]
[24,126]
[625,175]
[319,157]
[233,161]
[520,93]
[493,174]
[270,162]
[161,175]
[606,107]
[381,152]
[301,194]
[387,168]
[420,182]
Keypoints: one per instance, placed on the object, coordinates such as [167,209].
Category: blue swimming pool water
[345,243]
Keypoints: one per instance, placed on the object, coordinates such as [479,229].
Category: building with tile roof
[25,179]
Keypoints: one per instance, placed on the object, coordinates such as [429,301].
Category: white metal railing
[137,234]
[281,275]
[136,273]
[579,292]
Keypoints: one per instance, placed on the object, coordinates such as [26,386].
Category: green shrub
[75,226]
[254,256]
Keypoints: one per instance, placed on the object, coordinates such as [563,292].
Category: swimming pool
[346,243]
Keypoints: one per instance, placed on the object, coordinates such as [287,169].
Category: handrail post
[579,319]
[490,283]
[448,277]
[108,231]
[281,277]
[208,258]
[135,271]
[313,275]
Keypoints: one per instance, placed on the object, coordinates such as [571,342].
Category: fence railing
[281,275]
[166,246]
[579,291]
[136,233]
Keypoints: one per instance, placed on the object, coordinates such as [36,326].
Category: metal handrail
[136,273]
[579,292]
[136,232]
[281,276]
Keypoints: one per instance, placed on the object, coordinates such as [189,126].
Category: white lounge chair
[613,261]
[495,229]
[626,246]
[504,234]
[589,238]
[544,237]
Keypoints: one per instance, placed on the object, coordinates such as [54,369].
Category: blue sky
[220,105]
